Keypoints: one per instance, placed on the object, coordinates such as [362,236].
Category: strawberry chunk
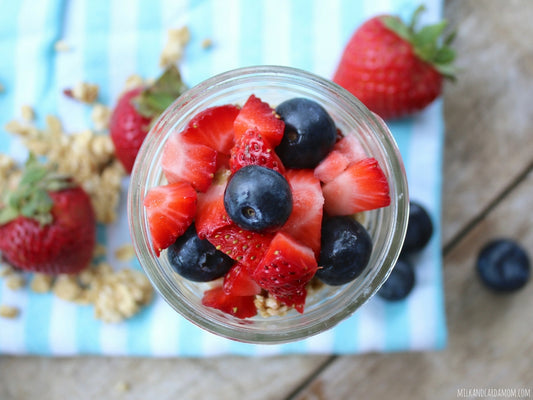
[305,221]
[256,114]
[214,224]
[213,127]
[183,160]
[238,306]
[251,149]
[346,151]
[170,210]
[362,186]
[238,282]
[285,269]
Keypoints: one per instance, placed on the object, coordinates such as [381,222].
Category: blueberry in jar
[258,198]
[309,134]
[345,250]
[399,283]
[503,265]
[419,229]
[197,259]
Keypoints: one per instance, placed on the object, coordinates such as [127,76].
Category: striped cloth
[112,40]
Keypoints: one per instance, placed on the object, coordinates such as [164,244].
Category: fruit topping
[285,269]
[258,115]
[238,306]
[304,223]
[170,210]
[213,127]
[345,152]
[251,149]
[258,198]
[399,283]
[197,259]
[190,162]
[346,249]
[309,134]
[503,265]
[361,187]
[419,229]
[239,282]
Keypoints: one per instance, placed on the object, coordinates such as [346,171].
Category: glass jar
[330,304]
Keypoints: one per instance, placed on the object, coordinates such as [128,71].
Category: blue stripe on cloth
[300,34]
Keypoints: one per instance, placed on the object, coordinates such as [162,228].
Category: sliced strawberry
[251,149]
[285,269]
[256,114]
[346,151]
[238,282]
[305,221]
[189,162]
[213,127]
[214,224]
[362,186]
[170,210]
[239,306]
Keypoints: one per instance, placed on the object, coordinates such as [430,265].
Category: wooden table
[488,187]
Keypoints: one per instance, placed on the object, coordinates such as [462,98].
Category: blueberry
[419,229]
[309,135]
[258,198]
[345,250]
[197,259]
[399,283]
[503,265]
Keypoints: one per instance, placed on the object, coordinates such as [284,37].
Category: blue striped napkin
[112,40]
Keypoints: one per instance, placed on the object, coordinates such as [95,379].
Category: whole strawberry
[47,223]
[394,69]
[136,109]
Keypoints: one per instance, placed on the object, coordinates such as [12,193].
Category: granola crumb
[100,116]
[61,46]
[27,113]
[15,281]
[207,43]
[133,81]
[99,250]
[9,311]
[85,92]
[41,283]
[6,270]
[360,217]
[122,387]
[172,53]
[268,306]
[66,287]
[125,252]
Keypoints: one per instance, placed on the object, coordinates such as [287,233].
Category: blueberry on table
[419,229]
[258,198]
[345,250]
[309,135]
[503,265]
[197,259]
[399,283]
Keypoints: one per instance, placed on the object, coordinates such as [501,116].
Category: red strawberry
[285,269]
[239,306]
[135,110]
[305,221]
[238,282]
[189,162]
[213,223]
[362,186]
[256,114]
[393,69]
[213,127]
[47,224]
[252,149]
[346,151]
[170,210]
